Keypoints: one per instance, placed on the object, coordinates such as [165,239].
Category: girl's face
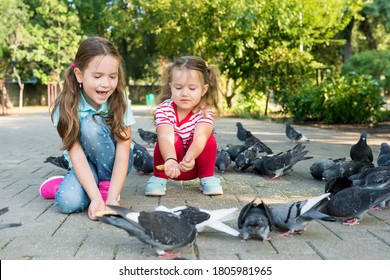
[187,88]
[99,79]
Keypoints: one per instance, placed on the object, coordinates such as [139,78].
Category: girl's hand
[187,163]
[96,204]
[171,168]
[111,201]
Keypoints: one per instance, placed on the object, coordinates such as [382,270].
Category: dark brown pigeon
[361,152]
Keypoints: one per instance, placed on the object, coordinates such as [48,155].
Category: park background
[307,60]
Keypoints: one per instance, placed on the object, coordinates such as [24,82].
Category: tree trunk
[21,86]
[347,35]
[365,27]
[229,92]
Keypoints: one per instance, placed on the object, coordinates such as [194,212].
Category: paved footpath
[27,139]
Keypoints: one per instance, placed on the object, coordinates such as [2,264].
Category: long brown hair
[210,76]
[68,100]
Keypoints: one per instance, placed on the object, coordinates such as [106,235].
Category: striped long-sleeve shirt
[166,114]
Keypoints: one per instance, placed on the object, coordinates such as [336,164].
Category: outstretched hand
[172,169]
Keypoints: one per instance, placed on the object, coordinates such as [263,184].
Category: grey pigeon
[361,151]
[384,155]
[255,221]
[244,159]
[295,135]
[203,218]
[223,160]
[59,161]
[143,161]
[234,150]
[373,178]
[161,230]
[149,137]
[366,171]
[242,133]
[260,146]
[345,169]
[7,225]
[318,167]
[350,203]
[276,165]
[292,217]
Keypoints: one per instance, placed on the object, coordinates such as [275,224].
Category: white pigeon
[205,218]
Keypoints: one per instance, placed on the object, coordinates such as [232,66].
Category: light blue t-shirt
[86,109]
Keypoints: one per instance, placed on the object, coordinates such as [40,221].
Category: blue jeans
[99,147]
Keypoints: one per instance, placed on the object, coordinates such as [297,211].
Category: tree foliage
[260,46]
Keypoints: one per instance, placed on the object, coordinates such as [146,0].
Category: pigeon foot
[273,178]
[376,208]
[351,222]
[170,255]
[286,233]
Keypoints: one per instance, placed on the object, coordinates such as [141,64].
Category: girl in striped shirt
[186,149]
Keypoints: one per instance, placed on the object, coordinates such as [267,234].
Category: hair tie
[73,65]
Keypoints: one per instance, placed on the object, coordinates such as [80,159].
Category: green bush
[249,105]
[338,99]
[306,102]
[374,63]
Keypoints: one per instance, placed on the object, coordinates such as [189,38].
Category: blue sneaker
[211,186]
[156,186]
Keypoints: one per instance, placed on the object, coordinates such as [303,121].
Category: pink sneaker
[103,188]
[49,188]
[104,185]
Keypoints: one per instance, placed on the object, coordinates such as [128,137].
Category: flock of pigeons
[352,188]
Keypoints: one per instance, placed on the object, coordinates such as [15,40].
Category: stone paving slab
[27,139]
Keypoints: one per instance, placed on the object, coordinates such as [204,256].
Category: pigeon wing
[244,212]
[167,228]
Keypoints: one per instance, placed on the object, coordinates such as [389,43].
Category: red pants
[204,163]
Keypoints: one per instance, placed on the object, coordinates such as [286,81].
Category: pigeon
[318,167]
[149,137]
[244,159]
[143,161]
[366,171]
[373,178]
[223,160]
[242,133]
[255,221]
[292,217]
[7,225]
[351,203]
[361,151]
[384,155]
[234,150]
[345,169]
[159,229]
[203,218]
[277,164]
[260,146]
[295,135]
[59,161]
